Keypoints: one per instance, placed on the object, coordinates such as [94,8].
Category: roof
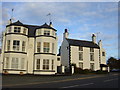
[82,43]
[31,28]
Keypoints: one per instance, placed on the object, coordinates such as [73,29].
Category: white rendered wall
[65,53]
[86,57]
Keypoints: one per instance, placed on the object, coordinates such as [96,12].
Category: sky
[80,18]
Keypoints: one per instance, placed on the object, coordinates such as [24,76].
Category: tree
[113,63]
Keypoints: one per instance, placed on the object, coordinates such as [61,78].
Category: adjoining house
[29,49]
[85,54]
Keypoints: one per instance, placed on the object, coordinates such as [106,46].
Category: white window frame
[7,62]
[8,45]
[17,29]
[38,47]
[91,56]
[45,64]
[15,63]
[46,49]
[81,56]
[81,65]
[22,63]
[46,32]
[52,64]
[17,45]
[38,64]
[23,45]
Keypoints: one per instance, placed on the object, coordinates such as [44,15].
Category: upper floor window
[8,45]
[17,29]
[91,49]
[39,32]
[52,47]
[24,30]
[80,56]
[58,59]
[91,56]
[46,32]
[9,29]
[53,33]
[38,46]
[23,46]
[16,45]
[103,53]
[46,47]
[80,48]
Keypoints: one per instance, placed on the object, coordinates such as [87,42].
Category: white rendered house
[29,49]
[85,54]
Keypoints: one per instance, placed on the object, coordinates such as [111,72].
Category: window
[91,56]
[46,47]
[52,64]
[7,62]
[38,46]
[9,29]
[14,63]
[45,64]
[46,32]
[80,48]
[53,33]
[58,59]
[22,63]
[81,65]
[17,29]
[39,32]
[103,53]
[24,30]
[91,49]
[23,46]
[52,47]
[8,45]
[80,56]
[92,66]
[16,45]
[38,64]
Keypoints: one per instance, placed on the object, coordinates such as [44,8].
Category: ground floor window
[14,63]
[22,63]
[7,62]
[38,64]
[45,64]
[52,64]
[92,66]
[81,65]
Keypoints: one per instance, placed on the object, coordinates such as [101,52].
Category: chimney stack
[66,33]
[93,38]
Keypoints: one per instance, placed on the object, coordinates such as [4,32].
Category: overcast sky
[80,18]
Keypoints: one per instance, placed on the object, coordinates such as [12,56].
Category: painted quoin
[84,54]
[29,49]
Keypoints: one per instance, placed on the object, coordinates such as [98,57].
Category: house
[84,54]
[29,49]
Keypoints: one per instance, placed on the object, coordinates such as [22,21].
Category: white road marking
[78,85]
[111,80]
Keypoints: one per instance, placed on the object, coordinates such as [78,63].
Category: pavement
[74,81]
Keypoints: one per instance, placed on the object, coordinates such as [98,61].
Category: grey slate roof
[82,43]
[31,28]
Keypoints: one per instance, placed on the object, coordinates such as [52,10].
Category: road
[84,81]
